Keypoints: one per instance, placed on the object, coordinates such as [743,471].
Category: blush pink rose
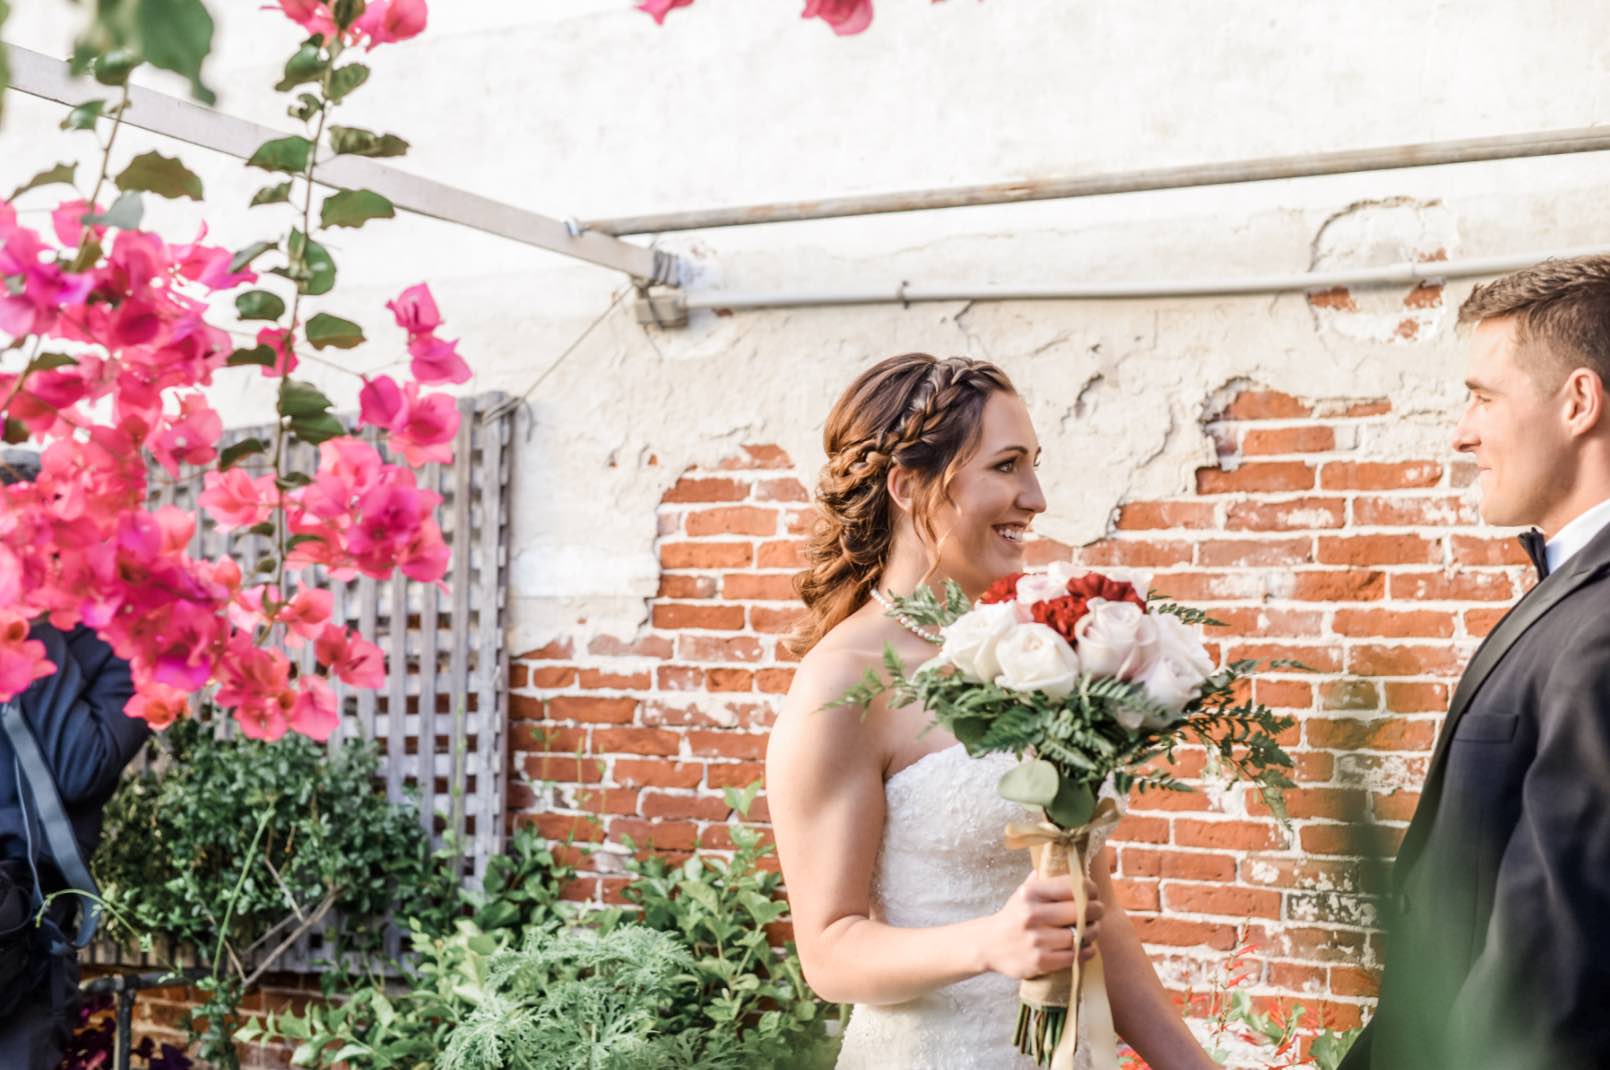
[847,17]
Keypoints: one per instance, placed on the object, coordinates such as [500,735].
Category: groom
[1499,955]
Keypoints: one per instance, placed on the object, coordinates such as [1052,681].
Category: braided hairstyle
[916,411]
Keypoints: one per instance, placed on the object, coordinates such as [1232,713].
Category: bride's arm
[824,789]
[1142,1011]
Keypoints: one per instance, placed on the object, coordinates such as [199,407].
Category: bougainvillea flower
[380,402]
[279,340]
[312,15]
[436,361]
[386,22]
[68,222]
[188,438]
[314,713]
[415,310]
[354,660]
[235,500]
[424,433]
[305,615]
[158,705]
[845,16]
[660,8]
[22,660]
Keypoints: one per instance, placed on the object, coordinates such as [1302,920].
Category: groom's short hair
[1562,315]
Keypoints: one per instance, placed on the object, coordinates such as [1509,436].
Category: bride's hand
[1033,934]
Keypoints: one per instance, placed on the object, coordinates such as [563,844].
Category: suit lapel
[1587,563]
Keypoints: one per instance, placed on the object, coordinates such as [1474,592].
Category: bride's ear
[901,486]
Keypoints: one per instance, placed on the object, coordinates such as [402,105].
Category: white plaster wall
[583,108]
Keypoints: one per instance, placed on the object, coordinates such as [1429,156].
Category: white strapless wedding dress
[943,861]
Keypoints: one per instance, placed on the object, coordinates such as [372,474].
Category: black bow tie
[1536,548]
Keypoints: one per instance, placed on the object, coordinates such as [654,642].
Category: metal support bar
[42,76]
[669,308]
[1427,154]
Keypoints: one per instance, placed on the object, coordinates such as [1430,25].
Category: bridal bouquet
[1089,683]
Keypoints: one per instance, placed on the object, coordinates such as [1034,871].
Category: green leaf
[230,456]
[84,116]
[299,399]
[288,154]
[15,432]
[114,67]
[1072,806]
[60,175]
[245,256]
[351,141]
[327,330]
[316,429]
[277,194]
[317,270]
[306,64]
[297,540]
[125,213]
[354,208]
[153,172]
[240,358]
[306,107]
[1033,783]
[344,80]
[176,35]
[44,362]
[259,305]
[347,12]
[5,63]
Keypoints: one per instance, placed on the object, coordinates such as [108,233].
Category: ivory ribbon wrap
[1056,851]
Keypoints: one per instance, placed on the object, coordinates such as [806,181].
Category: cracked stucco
[585,109]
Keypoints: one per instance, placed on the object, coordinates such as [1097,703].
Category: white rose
[1180,668]
[1033,657]
[970,639]
[1116,639]
[1044,586]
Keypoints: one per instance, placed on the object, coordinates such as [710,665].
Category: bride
[905,901]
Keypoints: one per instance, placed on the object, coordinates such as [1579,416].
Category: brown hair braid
[916,411]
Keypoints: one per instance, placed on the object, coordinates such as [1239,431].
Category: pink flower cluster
[846,17]
[78,544]
[434,361]
[383,22]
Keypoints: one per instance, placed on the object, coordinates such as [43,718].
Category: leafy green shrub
[238,847]
[686,979]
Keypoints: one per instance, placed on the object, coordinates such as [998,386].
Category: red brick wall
[1373,572]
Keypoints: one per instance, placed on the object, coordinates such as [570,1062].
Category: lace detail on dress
[943,861]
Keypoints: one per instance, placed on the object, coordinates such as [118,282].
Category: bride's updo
[913,410]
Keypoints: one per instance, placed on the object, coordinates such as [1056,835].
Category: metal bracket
[661,306]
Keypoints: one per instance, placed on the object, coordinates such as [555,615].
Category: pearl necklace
[911,626]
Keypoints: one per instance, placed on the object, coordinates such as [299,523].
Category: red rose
[1095,585]
[1064,613]
[1002,590]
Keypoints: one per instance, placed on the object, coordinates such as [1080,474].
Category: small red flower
[1002,590]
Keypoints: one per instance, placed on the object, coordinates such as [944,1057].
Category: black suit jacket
[1498,950]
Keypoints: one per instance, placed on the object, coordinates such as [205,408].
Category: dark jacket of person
[76,714]
[1499,952]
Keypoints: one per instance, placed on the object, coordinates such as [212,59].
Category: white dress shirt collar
[1577,534]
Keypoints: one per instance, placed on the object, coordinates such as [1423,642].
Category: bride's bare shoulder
[830,669]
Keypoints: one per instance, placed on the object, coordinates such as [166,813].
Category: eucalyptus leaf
[153,172]
[60,175]
[1072,806]
[1033,783]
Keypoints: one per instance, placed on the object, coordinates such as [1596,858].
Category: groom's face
[1512,427]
